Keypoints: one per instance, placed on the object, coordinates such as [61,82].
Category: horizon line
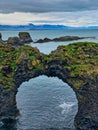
[48,25]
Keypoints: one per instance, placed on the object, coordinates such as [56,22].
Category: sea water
[47,103]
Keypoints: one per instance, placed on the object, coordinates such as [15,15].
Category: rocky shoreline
[62,39]
[24,37]
[76,64]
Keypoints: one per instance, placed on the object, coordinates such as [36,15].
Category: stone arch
[60,63]
[84,91]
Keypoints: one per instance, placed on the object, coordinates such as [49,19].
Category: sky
[66,12]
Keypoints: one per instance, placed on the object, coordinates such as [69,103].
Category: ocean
[47,103]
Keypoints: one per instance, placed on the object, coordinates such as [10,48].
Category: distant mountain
[32,27]
[42,27]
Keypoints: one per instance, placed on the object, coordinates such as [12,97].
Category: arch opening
[46,102]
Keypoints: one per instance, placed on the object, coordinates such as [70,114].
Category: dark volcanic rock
[67,38]
[8,108]
[43,40]
[0,36]
[60,39]
[13,40]
[25,37]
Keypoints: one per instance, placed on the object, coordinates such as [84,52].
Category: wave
[66,107]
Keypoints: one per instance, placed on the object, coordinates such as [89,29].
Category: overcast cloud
[81,18]
[47,5]
[67,12]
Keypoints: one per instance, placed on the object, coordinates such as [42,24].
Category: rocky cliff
[76,64]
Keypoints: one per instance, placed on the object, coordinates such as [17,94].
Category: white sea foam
[66,107]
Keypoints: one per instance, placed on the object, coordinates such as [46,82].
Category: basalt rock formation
[13,40]
[61,39]
[0,36]
[76,64]
[24,37]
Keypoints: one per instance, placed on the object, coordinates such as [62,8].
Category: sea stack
[0,37]
[25,37]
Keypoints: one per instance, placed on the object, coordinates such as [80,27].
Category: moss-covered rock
[80,58]
[13,40]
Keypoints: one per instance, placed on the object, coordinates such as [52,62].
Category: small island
[76,64]
[62,39]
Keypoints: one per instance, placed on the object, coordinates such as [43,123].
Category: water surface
[46,103]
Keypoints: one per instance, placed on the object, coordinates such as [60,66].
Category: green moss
[76,83]
[81,58]
[78,59]
[10,58]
